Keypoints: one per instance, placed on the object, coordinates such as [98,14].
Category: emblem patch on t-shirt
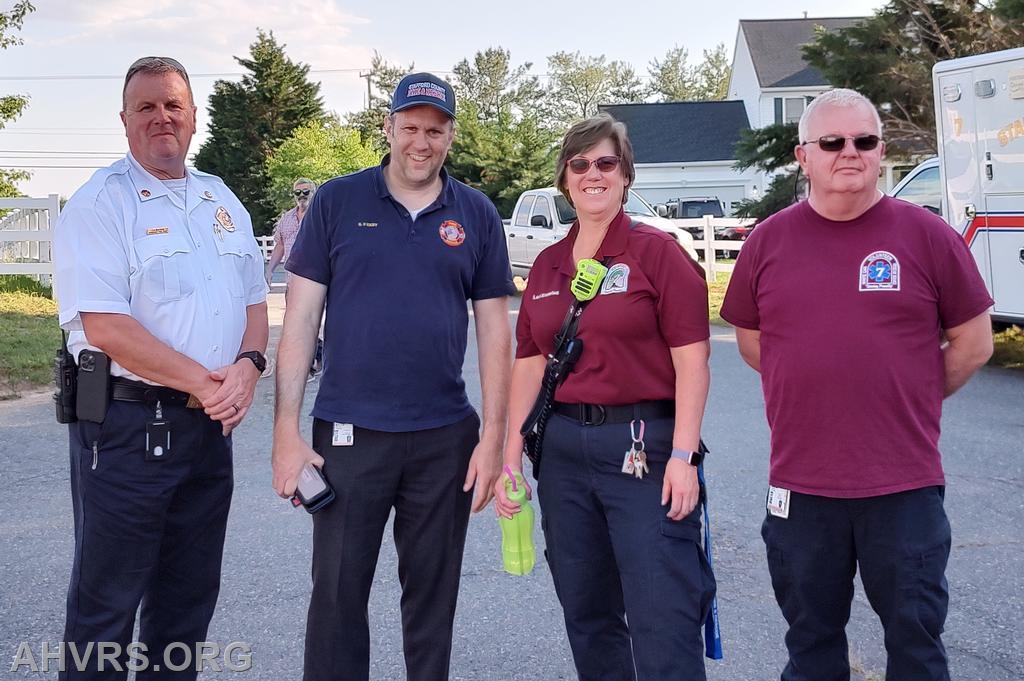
[452,233]
[617,279]
[880,271]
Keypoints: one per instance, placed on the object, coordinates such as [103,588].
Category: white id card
[778,502]
[342,436]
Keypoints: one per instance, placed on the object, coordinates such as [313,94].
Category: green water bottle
[517,550]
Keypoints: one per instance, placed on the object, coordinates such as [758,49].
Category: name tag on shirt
[778,502]
[342,436]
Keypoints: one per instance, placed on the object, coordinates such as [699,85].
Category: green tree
[769,149]
[11,106]
[578,84]
[711,76]
[384,78]
[494,86]
[889,57]
[319,151]
[502,145]
[251,118]
[671,77]
[674,80]
[503,156]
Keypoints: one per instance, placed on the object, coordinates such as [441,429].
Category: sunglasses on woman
[302,192]
[837,142]
[605,164]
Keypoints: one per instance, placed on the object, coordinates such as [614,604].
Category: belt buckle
[587,414]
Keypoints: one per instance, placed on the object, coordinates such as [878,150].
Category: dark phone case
[319,501]
[93,386]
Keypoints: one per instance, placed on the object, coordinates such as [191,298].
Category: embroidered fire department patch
[880,271]
[452,233]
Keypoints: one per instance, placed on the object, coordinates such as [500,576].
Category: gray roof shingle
[775,49]
[682,132]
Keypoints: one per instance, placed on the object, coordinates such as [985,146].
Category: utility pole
[369,93]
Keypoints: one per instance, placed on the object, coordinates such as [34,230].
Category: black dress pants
[420,474]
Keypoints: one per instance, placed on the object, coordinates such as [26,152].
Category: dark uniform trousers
[420,474]
[901,544]
[146,531]
[634,586]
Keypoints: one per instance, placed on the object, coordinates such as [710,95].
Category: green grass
[716,293]
[1009,348]
[29,335]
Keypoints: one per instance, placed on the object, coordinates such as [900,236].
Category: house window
[794,107]
[789,109]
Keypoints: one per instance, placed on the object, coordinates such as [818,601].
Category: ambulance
[979,116]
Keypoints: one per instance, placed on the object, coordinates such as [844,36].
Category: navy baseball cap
[424,88]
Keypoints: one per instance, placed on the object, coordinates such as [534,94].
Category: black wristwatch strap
[256,357]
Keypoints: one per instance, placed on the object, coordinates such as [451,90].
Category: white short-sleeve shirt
[125,244]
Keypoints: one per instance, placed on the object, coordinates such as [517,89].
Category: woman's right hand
[504,507]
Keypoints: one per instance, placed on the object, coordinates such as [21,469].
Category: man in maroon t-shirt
[861,312]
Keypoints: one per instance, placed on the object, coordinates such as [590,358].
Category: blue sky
[73,122]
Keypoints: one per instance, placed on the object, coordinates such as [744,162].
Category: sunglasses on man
[838,142]
[302,192]
[605,164]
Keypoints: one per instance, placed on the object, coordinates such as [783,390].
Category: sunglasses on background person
[837,142]
[302,192]
[605,164]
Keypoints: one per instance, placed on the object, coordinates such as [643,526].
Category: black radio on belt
[65,383]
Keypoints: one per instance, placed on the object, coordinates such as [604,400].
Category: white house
[685,149]
[771,78]
[769,73]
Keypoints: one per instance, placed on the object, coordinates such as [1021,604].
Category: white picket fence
[266,245]
[26,236]
[709,246]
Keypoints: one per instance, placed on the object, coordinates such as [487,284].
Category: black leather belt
[597,414]
[127,390]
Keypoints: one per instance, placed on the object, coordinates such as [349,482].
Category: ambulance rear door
[960,155]
[999,107]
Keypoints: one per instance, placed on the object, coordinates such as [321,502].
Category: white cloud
[205,35]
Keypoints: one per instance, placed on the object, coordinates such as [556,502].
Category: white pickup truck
[543,216]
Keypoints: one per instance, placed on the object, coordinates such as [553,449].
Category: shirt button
[216,312]
[209,277]
[198,245]
[216,348]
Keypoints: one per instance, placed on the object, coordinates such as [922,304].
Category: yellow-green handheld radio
[587,282]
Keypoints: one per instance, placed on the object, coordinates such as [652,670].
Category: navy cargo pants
[149,532]
[634,586]
[901,544]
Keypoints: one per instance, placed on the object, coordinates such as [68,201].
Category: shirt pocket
[166,272]
[236,262]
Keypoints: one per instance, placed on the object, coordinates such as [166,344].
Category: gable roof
[775,44]
[682,132]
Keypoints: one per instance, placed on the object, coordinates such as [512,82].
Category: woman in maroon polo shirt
[618,486]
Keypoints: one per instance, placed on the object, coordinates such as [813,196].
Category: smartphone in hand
[312,492]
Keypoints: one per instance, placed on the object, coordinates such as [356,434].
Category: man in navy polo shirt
[395,251]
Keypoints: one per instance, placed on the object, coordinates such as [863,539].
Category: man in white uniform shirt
[157,269]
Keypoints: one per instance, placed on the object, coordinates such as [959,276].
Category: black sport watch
[257,359]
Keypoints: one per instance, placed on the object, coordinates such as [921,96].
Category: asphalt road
[510,628]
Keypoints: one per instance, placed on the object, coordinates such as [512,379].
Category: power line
[59,152]
[35,167]
[62,134]
[61,76]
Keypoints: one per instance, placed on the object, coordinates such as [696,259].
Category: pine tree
[250,119]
